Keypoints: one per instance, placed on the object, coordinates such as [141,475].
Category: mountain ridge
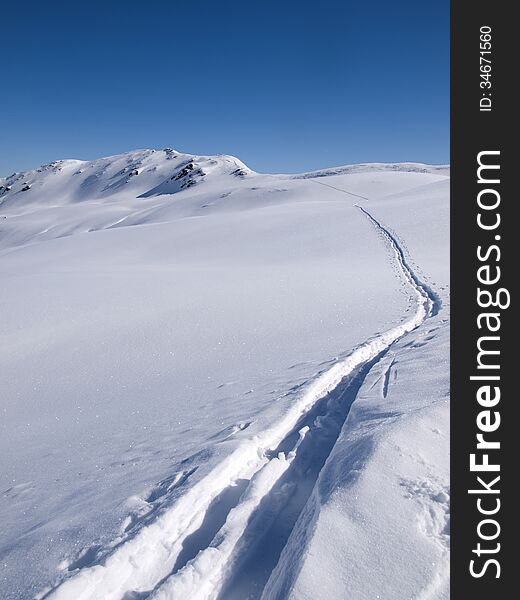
[151,172]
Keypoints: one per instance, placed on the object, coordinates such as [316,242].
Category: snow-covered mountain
[142,173]
[224,384]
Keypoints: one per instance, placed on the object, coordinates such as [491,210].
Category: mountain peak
[138,173]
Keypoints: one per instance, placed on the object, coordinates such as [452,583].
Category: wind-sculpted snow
[188,342]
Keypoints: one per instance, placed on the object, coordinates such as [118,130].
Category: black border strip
[474,131]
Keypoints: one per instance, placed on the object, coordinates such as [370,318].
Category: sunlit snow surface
[176,420]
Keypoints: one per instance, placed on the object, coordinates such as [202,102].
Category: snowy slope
[382,499]
[183,342]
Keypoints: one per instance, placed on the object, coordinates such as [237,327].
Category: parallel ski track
[144,565]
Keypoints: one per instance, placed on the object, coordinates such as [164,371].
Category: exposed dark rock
[184,172]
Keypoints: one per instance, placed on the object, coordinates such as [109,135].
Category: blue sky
[285,85]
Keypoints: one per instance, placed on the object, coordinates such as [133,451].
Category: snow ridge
[147,564]
[376,167]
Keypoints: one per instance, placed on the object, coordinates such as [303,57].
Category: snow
[188,361]
[382,498]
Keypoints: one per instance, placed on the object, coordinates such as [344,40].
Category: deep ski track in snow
[250,502]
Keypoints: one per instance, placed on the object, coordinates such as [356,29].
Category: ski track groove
[147,565]
[339,189]
[386,378]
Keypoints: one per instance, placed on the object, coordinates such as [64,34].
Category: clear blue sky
[285,86]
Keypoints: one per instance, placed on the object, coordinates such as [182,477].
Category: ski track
[340,190]
[386,379]
[208,544]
